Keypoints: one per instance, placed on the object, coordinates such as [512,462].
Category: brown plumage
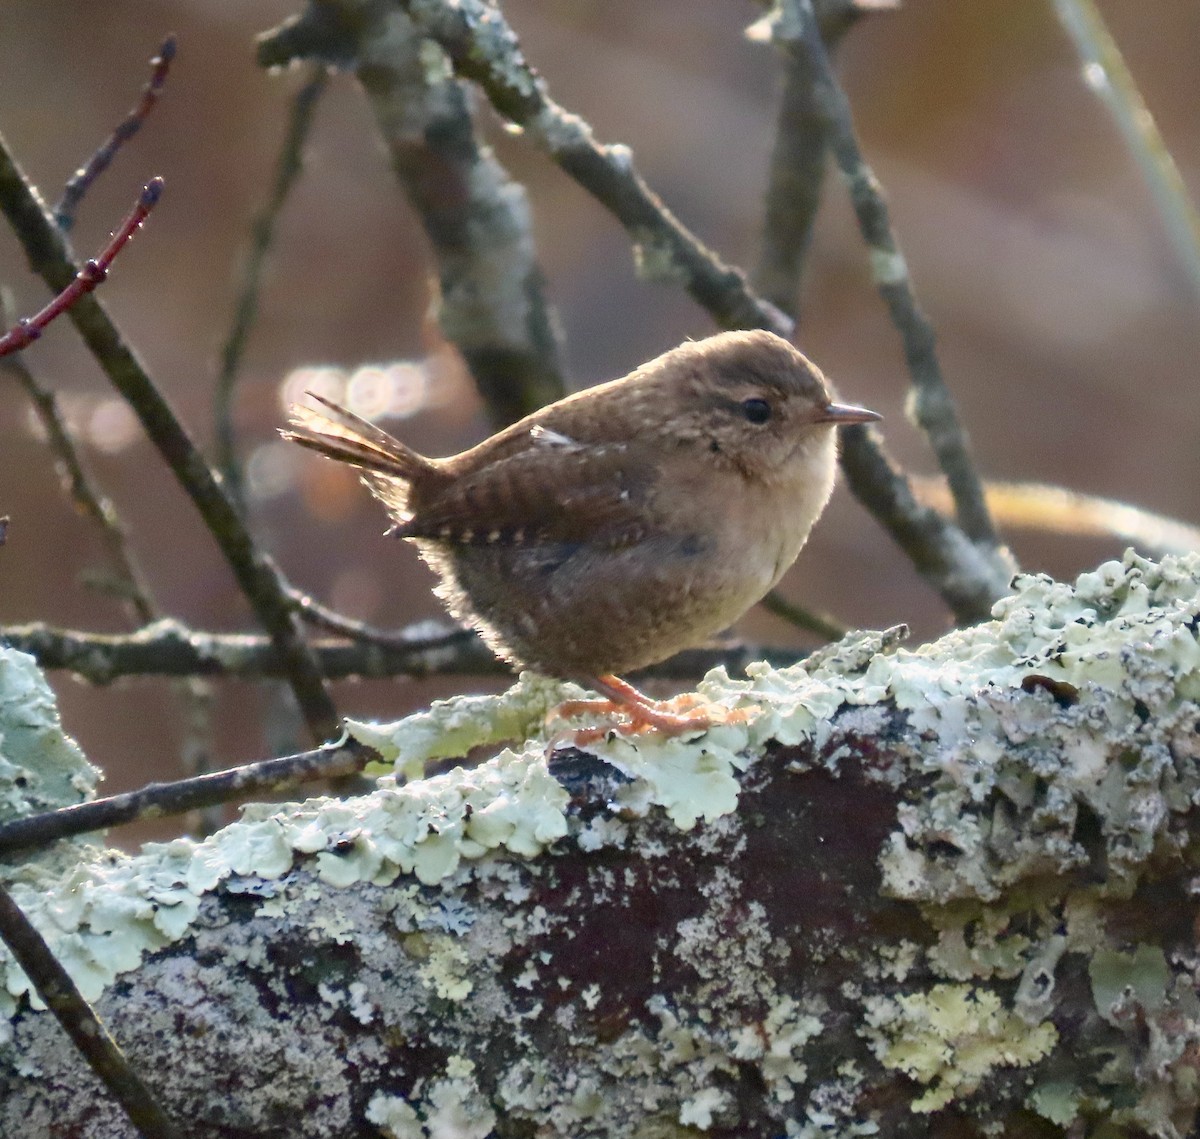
[615,527]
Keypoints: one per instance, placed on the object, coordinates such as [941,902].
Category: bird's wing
[552,489]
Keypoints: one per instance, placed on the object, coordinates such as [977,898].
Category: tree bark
[944,892]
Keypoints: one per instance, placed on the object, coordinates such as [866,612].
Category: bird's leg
[637,712]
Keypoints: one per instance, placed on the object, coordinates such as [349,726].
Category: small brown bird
[621,524]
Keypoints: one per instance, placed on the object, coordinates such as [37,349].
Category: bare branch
[80,183]
[245,313]
[492,302]
[61,996]
[167,648]
[795,29]
[129,583]
[1107,74]
[824,627]
[258,577]
[158,800]
[27,330]
[332,621]
[969,578]
[484,48]
[798,159]
[1060,510]
[78,484]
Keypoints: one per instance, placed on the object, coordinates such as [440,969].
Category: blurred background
[1067,330]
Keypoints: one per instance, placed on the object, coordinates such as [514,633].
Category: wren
[626,522]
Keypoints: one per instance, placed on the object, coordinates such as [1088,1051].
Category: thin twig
[93,273]
[81,181]
[158,800]
[796,30]
[798,159]
[287,169]
[129,584]
[484,48]
[80,487]
[824,627]
[360,631]
[491,303]
[257,576]
[61,996]
[1106,73]
[167,648]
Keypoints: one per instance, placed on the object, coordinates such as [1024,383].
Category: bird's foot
[630,713]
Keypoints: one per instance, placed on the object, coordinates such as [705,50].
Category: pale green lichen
[453,727]
[446,966]
[698,1110]
[1065,667]
[1057,1101]
[1120,980]
[950,1038]
[395,1117]
[436,1109]
[41,767]
[104,915]
[776,1045]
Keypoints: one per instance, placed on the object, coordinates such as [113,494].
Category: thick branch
[900,893]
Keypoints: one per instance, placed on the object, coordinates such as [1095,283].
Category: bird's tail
[389,468]
[340,434]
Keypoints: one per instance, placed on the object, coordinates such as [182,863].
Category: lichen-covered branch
[492,301]
[944,891]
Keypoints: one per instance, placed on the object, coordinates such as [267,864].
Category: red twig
[78,185]
[28,329]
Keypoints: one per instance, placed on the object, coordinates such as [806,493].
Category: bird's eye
[756,410]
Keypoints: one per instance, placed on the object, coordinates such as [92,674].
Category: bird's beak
[841,414]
